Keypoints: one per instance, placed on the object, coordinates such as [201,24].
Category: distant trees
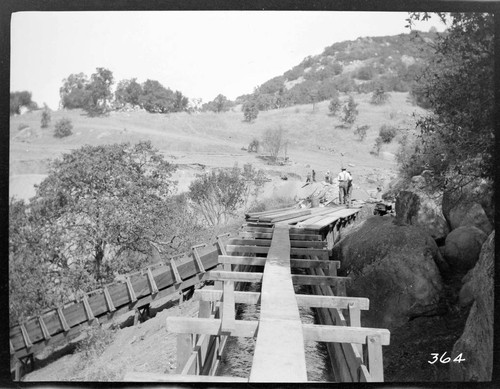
[100,94]
[156,98]
[334,105]
[21,99]
[128,92]
[360,132]
[379,96]
[250,111]
[219,104]
[74,93]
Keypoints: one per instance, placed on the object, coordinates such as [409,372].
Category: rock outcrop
[394,266]
[469,214]
[476,342]
[416,207]
[462,247]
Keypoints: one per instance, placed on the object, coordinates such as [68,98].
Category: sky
[200,53]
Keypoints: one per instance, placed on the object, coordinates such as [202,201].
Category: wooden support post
[109,301]
[62,319]
[152,283]
[177,276]
[375,364]
[43,327]
[184,350]
[222,247]
[332,270]
[86,306]
[12,351]
[26,338]
[197,256]
[228,309]
[355,321]
[130,289]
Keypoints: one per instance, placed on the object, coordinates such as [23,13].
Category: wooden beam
[267,243]
[88,310]
[228,310]
[43,327]
[220,242]
[375,364]
[242,260]
[174,269]
[197,257]
[26,338]
[216,295]
[109,301]
[62,319]
[355,321]
[130,290]
[344,334]
[136,376]
[269,211]
[357,303]
[322,253]
[220,275]
[318,280]
[259,261]
[192,325]
[151,281]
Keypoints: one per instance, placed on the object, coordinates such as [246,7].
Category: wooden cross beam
[130,288]
[109,301]
[197,256]
[312,301]
[86,306]
[62,319]
[344,334]
[43,327]
[318,280]
[259,261]
[177,276]
[151,281]
[194,325]
[216,295]
[219,275]
[221,244]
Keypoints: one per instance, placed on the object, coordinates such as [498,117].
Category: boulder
[469,214]
[462,247]
[416,207]
[476,342]
[394,266]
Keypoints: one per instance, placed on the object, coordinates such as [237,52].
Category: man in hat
[344,178]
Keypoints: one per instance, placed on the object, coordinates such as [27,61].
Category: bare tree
[273,142]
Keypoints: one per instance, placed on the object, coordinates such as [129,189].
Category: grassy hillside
[316,140]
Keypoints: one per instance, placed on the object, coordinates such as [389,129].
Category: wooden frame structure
[356,351]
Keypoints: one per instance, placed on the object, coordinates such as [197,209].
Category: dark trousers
[343,193]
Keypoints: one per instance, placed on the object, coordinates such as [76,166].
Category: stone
[470,215]
[462,247]
[394,266]
[415,207]
[476,342]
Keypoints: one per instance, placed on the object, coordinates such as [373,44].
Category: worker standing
[344,178]
[327,177]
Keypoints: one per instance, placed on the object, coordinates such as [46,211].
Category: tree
[128,92]
[350,111]
[379,96]
[334,105]
[360,132]
[218,194]
[21,99]
[45,117]
[253,147]
[273,142]
[106,205]
[180,102]
[459,87]
[99,90]
[63,128]
[74,93]
[219,104]
[156,98]
[387,133]
[250,111]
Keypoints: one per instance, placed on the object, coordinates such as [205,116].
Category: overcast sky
[200,53]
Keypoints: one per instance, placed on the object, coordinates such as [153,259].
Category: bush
[377,146]
[250,111]
[334,105]
[387,133]
[360,132]
[95,342]
[63,128]
[253,147]
[350,112]
[379,96]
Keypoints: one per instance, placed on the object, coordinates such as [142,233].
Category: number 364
[436,357]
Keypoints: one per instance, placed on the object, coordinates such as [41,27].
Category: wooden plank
[322,253]
[184,350]
[177,276]
[258,229]
[259,261]
[267,243]
[344,334]
[269,235]
[88,311]
[228,310]
[26,338]
[220,275]
[269,211]
[192,325]
[375,364]
[216,295]
[313,301]
[158,377]
[151,281]
[317,280]
[279,314]
[197,257]
[221,244]
[276,219]
[364,374]
[242,260]
[355,321]
[130,290]
[64,324]
[314,212]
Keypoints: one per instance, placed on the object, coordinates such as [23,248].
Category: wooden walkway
[288,238]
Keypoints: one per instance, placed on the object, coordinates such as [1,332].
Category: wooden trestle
[300,238]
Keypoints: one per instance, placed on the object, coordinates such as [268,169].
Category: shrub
[350,112]
[379,96]
[250,111]
[377,146]
[334,105]
[63,128]
[253,147]
[360,132]
[387,133]
[95,342]
[22,126]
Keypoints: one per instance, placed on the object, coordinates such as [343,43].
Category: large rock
[462,247]
[394,266]
[469,214]
[476,342]
[416,207]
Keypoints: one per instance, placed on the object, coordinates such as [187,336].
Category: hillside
[194,141]
[392,62]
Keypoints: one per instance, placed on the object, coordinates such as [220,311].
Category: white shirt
[344,176]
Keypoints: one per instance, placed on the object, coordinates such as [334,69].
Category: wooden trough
[288,238]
